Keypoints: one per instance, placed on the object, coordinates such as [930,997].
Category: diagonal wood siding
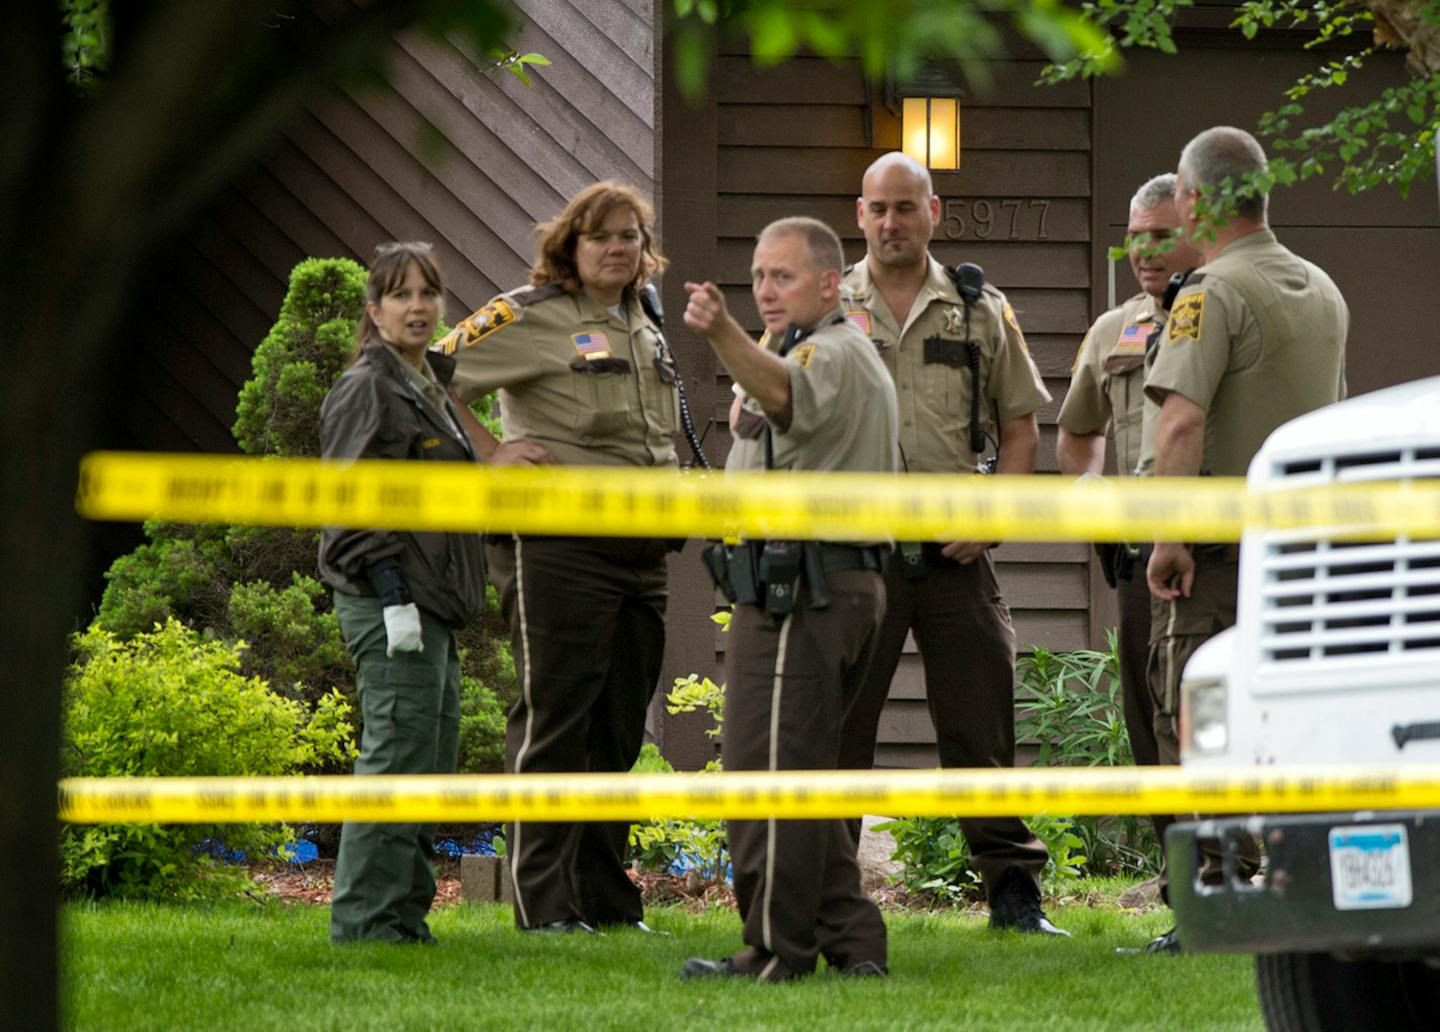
[438,151]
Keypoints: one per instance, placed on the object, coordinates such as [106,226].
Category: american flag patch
[592,345]
[861,319]
[1132,338]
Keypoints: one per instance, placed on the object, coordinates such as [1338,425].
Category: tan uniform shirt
[571,375]
[926,357]
[1107,382]
[1255,338]
[843,411]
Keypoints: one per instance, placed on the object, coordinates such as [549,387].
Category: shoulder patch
[1185,318]
[534,295]
[1079,354]
[1014,324]
[803,354]
[495,316]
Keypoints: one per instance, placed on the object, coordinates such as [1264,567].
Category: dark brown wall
[439,151]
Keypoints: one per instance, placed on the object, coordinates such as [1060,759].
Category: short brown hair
[555,261]
[820,240]
[388,268]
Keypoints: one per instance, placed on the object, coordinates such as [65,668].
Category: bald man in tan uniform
[906,303]
[823,402]
[1255,338]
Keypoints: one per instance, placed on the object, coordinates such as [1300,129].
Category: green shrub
[1070,704]
[183,571]
[279,409]
[482,729]
[670,843]
[936,858]
[172,703]
[299,648]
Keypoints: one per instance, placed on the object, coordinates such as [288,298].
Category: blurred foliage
[174,703]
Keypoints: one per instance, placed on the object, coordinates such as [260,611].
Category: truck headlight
[1204,716]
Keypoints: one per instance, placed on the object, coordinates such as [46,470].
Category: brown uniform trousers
[968,647]
[1177,630]
[1133,646]
[587,622]
[788,685]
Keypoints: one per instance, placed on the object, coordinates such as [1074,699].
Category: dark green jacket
[374,412]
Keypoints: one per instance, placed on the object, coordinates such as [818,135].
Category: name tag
[942,351]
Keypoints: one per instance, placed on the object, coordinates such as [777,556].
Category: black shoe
[1166,945]
[699,967]
[1015,904]
[864,969]
[569,927]
[642,927]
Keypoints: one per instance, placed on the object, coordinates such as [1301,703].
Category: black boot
[1015,903]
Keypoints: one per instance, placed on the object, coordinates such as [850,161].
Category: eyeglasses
[396,246]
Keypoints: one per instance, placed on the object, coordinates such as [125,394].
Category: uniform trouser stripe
[776,691]
[1168,670]
[529,719]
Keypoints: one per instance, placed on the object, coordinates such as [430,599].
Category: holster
[735,571]
[1118,560]
[768,574]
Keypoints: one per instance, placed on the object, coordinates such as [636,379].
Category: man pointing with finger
[800,642]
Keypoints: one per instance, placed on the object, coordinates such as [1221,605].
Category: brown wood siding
[439,151]
[792,140]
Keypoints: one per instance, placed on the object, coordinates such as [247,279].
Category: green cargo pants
[410,703]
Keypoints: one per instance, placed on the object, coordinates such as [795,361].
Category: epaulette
[992,289]
[534,295]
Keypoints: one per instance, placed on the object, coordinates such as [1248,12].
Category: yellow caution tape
[631,502]
[793,794]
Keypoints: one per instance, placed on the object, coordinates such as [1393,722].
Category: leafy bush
[936,857]
[173,703]
[303,654]
[673,844]
[1070,703]
[482,728]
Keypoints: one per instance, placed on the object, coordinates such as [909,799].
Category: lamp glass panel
[913,129]
[944,133]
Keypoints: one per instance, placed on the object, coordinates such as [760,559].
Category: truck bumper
[1292,907]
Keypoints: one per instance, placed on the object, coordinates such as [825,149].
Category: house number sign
[1009,219]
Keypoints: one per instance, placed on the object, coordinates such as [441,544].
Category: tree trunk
[1399,23]
[89,189]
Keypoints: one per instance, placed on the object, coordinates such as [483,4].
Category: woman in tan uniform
[584,379]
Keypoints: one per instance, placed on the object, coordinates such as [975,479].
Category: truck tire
[1315,992]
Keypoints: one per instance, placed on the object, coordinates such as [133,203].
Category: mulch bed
[310,883]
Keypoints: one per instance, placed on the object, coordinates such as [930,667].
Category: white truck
[1335,658]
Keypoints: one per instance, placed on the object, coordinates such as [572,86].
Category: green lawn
[244,966]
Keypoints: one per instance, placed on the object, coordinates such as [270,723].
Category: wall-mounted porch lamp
[930,129]
[929,105]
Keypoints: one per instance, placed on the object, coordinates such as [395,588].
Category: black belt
[836,558]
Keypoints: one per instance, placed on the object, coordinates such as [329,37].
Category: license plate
[1370,867]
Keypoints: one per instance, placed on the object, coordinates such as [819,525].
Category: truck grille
[1325,599]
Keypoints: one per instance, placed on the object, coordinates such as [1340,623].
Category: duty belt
[768,573]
